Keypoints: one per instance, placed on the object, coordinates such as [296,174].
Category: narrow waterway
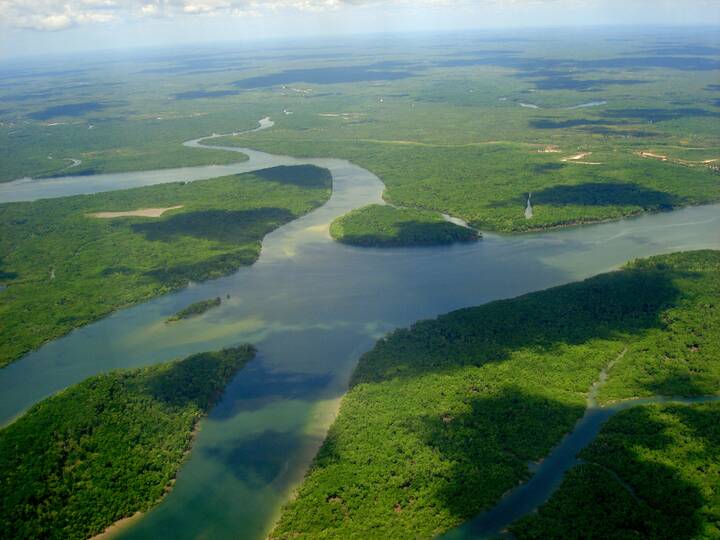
[548,476]
[312,307]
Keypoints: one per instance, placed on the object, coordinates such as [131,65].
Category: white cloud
[62,14]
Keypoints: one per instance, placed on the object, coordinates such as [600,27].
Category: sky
[29,27]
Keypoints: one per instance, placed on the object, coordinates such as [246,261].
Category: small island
[108,447]
[196,309]
[387,226]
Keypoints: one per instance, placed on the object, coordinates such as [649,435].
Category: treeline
[442,418]
[63,269]
[652,472]
[386,226]
[193,310]
[107,447]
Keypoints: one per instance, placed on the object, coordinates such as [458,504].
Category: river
[312,307]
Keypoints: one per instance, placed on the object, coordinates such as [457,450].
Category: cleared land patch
[140,212]
[99,265]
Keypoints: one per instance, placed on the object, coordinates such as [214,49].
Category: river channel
[312,307]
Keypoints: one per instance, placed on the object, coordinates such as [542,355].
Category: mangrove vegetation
[442,418]
[107,447]
[653,472]
[196,309]
[386,226]
[65,264]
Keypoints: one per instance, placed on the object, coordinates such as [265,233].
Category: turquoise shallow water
[312,307]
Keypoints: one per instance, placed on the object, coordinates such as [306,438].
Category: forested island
[68,261]
[386,226]
[442,418]
[107,447]
[196,309]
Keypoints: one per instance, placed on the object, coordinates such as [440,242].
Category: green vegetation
[63,269]
[193,310]
[387,226]
[42,151]
[449,126]
[442,419]
[106,448]
[653,472]
[487,185]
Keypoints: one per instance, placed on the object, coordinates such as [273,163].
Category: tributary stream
[312,307]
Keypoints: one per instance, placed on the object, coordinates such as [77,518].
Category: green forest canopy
[107,447]
[653,472]
[442,418]
[64,269]
[386,226]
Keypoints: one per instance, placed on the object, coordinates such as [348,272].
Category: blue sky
[36,26]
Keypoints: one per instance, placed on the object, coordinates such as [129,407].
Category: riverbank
[118,440]
[648,474]
[102,265]
[442,418]
[307,353]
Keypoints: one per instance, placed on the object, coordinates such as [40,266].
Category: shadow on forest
[593,194]
[605,194]
[602,307]
[306,176]
[71,109]
[328,75]
[205,94]
[659,115]
[549,123]
[414,233]
[506,430]
[543,168]
[4,275]
[210,268]
[665,505]
[682,383]
[232,226]
[635,133]
[682,50]
[568,82]
[533,65]
[189,380]
[514,427]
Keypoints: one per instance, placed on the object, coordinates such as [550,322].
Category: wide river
[312,307]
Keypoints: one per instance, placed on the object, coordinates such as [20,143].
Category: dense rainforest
[386,226]
[443,418]
[107,447]
[653,472]
[64,262]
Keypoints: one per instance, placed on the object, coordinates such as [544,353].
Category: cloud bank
[55,15]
